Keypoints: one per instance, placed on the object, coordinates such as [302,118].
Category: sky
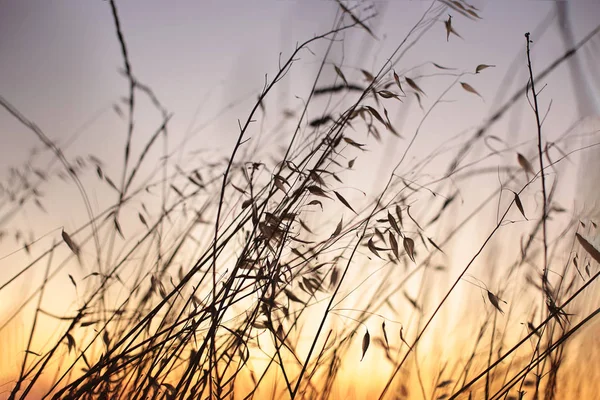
[60,59]
[60,65]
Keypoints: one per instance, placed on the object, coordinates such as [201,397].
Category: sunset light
[307,199]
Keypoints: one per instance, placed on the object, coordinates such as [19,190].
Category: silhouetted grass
[267,273]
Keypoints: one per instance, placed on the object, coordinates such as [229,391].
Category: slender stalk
[540,158]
